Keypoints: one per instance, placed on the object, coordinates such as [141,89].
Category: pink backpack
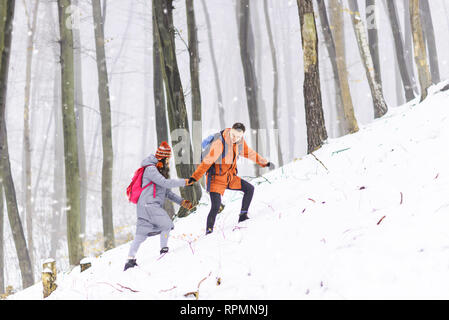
[135,187]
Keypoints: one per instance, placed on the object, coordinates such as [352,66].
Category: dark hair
[238,126]
[164,170]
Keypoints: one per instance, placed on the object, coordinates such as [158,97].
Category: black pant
[215,200]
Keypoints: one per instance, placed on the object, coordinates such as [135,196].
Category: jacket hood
[151,159]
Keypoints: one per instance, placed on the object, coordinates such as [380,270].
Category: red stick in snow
[380,220]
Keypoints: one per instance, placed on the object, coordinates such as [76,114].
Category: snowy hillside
[366,219]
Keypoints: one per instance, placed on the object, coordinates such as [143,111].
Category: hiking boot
[131,263]
[164,250]
[243,217]
[209,230]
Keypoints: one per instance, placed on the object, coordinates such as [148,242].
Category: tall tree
[429,33]
[79,113]
[6,26]
[160,109]
[347,121]
[399,50]
[177,112]
[408,46]
[275,82]
[419,49]
[106,130]
[194,80]
[380,106]
[373,36]
[221,115]
[28,199]
[316,130]
[2,244]
[72,174]
[249,72]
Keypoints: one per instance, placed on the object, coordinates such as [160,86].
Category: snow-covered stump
[85,264]
[49,277]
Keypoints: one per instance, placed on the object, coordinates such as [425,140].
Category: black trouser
[215,200]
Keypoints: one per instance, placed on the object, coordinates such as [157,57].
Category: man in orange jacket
[222,159]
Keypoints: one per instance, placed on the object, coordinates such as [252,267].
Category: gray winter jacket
[163,185]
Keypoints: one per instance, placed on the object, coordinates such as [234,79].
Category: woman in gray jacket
[152,219]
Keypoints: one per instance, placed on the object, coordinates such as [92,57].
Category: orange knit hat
[164,151]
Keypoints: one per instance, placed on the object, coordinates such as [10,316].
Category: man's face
[236,135]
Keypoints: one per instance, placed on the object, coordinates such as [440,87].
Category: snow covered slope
[366,219]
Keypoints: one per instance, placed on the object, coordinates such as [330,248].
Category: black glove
[191,180]
[270,165]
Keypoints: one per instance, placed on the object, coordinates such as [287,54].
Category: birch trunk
[70,137]
[316,130]
[6,26]
[419,49]
[380,107]
[106,130]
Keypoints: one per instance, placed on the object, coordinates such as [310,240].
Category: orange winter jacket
[226,167]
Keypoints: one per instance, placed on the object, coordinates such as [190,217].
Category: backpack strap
[151,182]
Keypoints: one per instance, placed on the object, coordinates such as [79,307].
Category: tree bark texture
[316,130]
[426,18]
[6,26]
[106,128]
[380,106]
[419,49]
[347,121]
[400,50]
[177,112]
[249,72]
[70,137]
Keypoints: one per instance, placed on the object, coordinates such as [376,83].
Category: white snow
[368,222]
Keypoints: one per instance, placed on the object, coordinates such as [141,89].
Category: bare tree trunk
[408,46]
[255,50]
[194,80]
[28,199]
[177,112]
[79,106]
[347,122]
[70,137]
[429,33]
[58,195]
[316,130]
[221,115]
[380,107]
[2,243]
[6,26]
[373,37]
[106,131]
[249,72]
[159,103]
[400,51]
[275,84]
[419,49]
